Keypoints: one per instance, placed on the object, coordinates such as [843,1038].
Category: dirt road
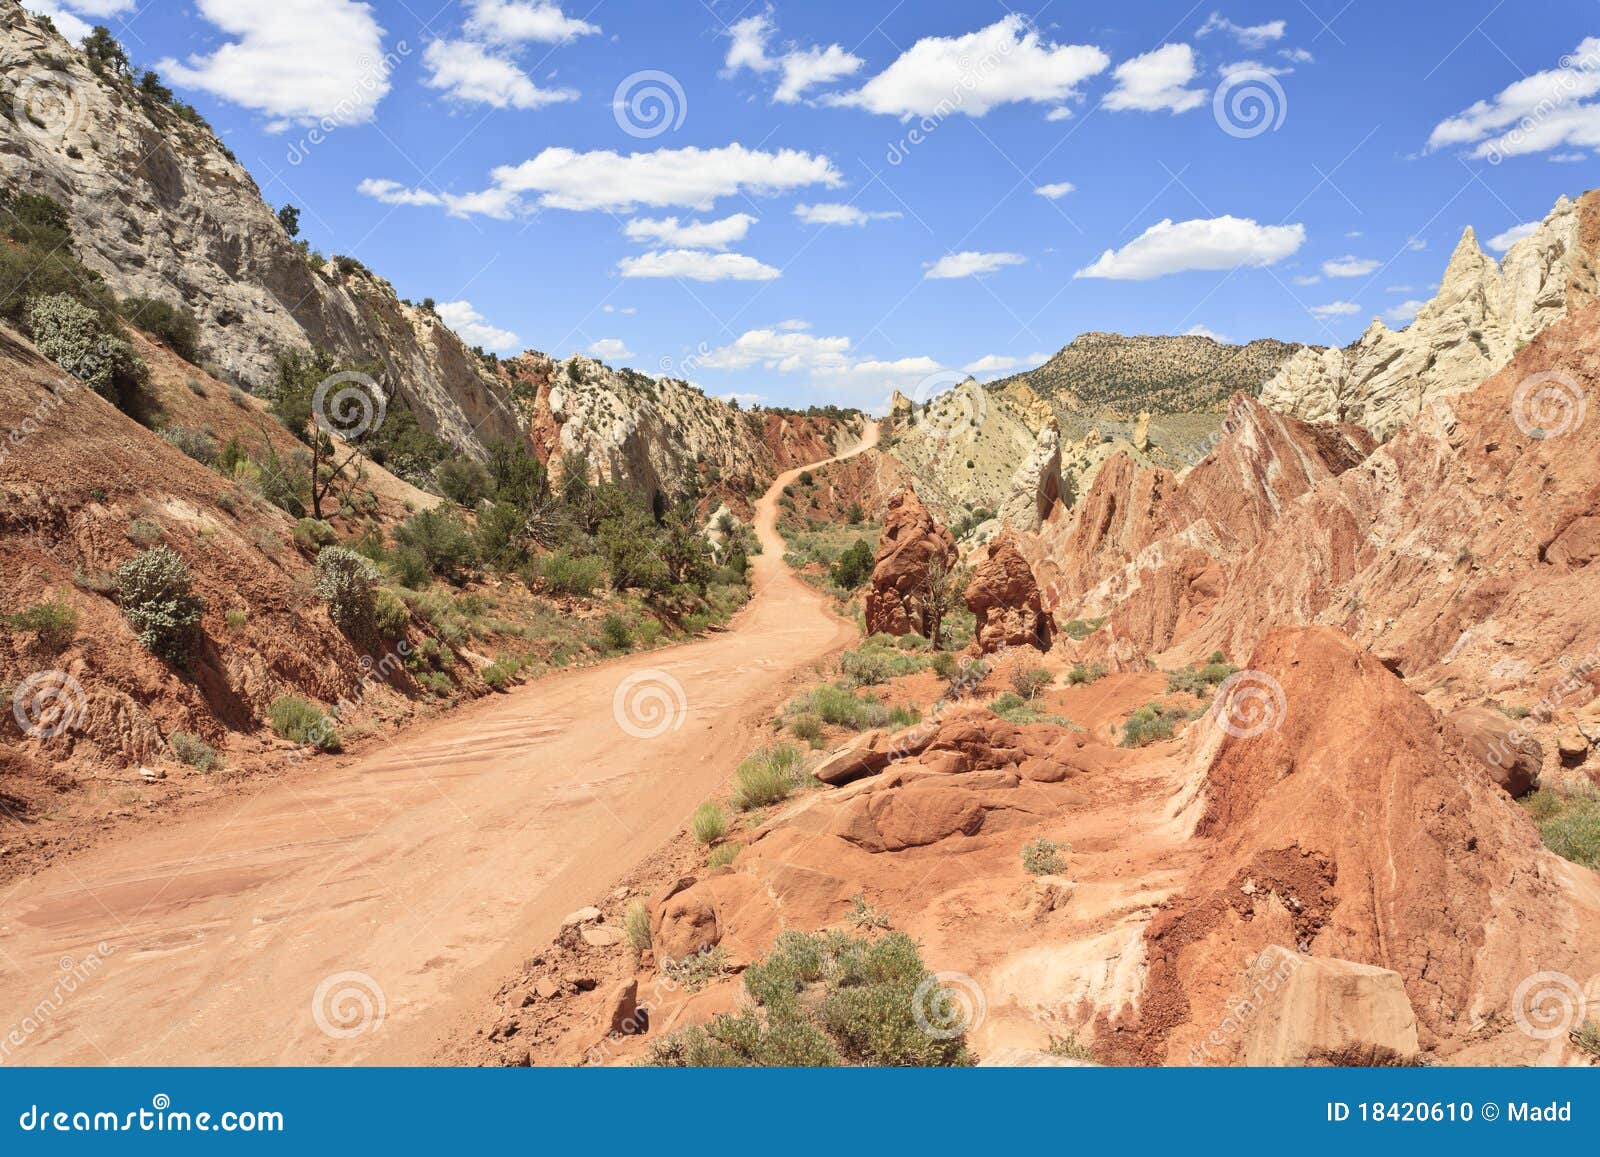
[403,887]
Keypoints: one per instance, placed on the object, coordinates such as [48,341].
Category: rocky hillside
[160,208]
[1122,376]
[1483,313]
[662,437]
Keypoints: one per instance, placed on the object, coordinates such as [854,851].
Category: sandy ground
[405,886]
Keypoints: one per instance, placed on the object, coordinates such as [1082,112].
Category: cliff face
[664,437]
[159,208]
[1482,314]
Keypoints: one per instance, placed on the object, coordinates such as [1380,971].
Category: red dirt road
[408,883]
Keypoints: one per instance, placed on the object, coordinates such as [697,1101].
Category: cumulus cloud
[613,348]
[1538,113]
[971,264]
[295,61]
[1202,331]
[1001,64]
[1500,242]
[781,351]
[1349,266]
[1156,80]
[467,71]
[1404,313]
[1057,190]
[474,329]
[696,265]
[836,214]
[690,234]
[992,365]
[798,69]
[691,178]
[1205,243]
[1251,36]
[1335,309]
[514,22]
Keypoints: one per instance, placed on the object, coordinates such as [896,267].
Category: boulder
[685,921]
[589,915]
[601,936]
[1512,758]
[546,988]
[621,1013]
[1322,1011]
[912,550]
[871,753]
[1005,598]
[1573,748]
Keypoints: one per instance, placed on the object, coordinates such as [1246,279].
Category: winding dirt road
[414,879]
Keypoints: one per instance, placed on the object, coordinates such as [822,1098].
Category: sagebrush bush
[156,590]
[173,325]
[1085,673]
[441,538]
[1151,723]
[768,776]
[562,574]
[53,622]
[1568,822]
[615,631]
[1029,681]
[636,925]
[75,337]
[346,582]
[806,726]
[193,750]
[197,444]
[1042,857]
[722,855]
[298,721]
[709,823]
[844,708]
[390,616]
[314,533]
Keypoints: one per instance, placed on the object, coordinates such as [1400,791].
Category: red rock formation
[1358,827]
[912,545]
[1005,599]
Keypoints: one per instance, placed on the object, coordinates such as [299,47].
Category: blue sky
[831,199]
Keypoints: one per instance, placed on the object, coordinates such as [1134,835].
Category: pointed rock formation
[1036,486]
[1005,599]
[1483,313]
[913,547]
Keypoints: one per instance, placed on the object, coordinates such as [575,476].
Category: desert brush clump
[1013,708]
[346,582]
[1029,681]
[156,590]
[193,750]
[1568,820]
[299,721]
[830,998]
[1202,679]
[80,341]
[54,624]
[636,926]
[1084,673]
[709,823]
[842,707]
[768,775]
[1042,857]
[1152,723]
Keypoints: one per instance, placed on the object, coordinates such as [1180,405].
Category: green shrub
[155,589]
[1568,822]
[844,708]
[1199,681]
[77,339]
[709,823]
[143,532]
[498,675]
[312,534]
[463,481]
[615,631]
[722,855]
[944,664]
[828,999]
[1042,857]
[235,619]
[864,915]
[173,325]
[1069,1048]
[390,616]
[854,566]
[562,574]
[768,776]
[1081,629]
[441,538]
[193,750]
[1151,723]
[197,444]
[54,623]
[298,721]
[636,924]
[1089,673]
[345,581]
[1029,681]
[806,726]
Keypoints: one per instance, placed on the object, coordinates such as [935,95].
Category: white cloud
[613,348]
[835,214]
[489,203]
[513,22]
[1155,81]
[1202,331]
[743,399]
[1399,288]
[1537,113]
[70,26]
[695,265]
[1000,64]
[1307,279]
[394,193]
[1350,266]
[296,61]
[1416,244]
[794,323]
[1227,70]
[1251,36]
[1404,313]
[1056,190]
[971,264]
[781,351]
[690,234]
[799,69]
[474,329]
[1567,158]
[1296,55]
[1206,243]
[992,365]
[625,309]
[1063,113]
[1500,242]
[1335,309]
[467,71]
